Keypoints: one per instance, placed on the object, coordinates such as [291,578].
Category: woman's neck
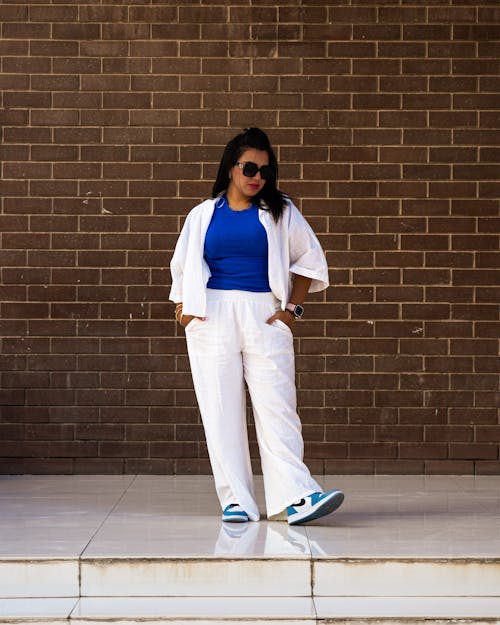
[237,201]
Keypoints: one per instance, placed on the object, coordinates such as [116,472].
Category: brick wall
[383,116]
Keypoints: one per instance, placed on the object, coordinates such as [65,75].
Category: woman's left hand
[284,316]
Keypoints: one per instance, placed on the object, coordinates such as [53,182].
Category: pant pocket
[282,326]
[192,324]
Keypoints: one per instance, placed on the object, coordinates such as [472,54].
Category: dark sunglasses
[250,170]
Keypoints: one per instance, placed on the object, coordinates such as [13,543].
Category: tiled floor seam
[68,618]
[311,576]
[80,557]
[114,506]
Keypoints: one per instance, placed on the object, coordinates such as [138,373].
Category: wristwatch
[296,309]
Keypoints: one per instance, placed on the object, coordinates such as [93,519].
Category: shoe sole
[235,519]
[327,507]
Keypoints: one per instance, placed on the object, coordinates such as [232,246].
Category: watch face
[299,310]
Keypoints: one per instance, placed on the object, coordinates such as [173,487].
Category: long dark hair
[257,139]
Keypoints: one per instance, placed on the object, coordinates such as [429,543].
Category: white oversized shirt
[293,248]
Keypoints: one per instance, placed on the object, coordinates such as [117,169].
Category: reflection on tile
[40,486]
[180,516]
[163,536]
[480,482]
[32,549]
[178,495]
[373,485]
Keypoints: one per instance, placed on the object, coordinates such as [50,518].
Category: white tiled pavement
[179,516]
[67,544]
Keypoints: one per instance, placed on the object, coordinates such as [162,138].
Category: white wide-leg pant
[232,346]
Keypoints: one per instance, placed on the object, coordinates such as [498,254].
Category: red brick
[25,30]
[356,398]
[123,449]
[474,311]
[448,294]
[376,172]
[400,49]
[373,450]
[398,119]
[474,451]
[374,311]
[14,117]
[449,467]
[378,67]
[13,13]
[425,451]
[486,467]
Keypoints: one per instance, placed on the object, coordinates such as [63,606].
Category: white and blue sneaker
[314,506]
[234,513]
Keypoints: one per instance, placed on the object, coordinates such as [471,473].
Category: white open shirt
[293,248]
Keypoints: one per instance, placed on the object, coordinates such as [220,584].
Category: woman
[242,267]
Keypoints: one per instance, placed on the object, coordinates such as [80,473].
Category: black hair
[255,138]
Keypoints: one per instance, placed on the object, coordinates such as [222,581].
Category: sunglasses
[250,170]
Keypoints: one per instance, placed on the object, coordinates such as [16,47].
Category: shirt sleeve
[178,261]
[306,254]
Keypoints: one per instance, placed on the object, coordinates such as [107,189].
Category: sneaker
[314,506]
[234,513]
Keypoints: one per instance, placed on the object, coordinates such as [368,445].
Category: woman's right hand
[186,319]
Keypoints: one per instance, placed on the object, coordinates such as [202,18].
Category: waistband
[233,295]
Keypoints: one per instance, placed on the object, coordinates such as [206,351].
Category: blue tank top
[236,250]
